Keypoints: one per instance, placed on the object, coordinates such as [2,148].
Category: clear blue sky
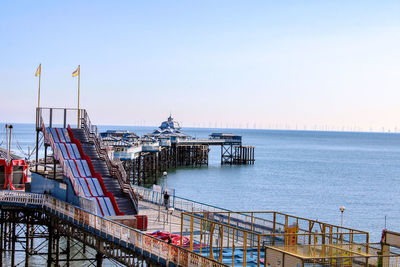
[227,63]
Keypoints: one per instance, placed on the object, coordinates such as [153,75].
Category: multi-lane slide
[91,185]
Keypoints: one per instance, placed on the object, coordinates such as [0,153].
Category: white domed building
[170,124]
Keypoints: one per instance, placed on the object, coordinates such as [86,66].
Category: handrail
[94,173]
[116,169]
[178,203]
[117,233]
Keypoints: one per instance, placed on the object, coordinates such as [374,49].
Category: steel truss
[27,234]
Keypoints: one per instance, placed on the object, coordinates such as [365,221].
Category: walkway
[112,239]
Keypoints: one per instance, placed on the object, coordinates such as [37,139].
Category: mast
[8,138]
[8,155]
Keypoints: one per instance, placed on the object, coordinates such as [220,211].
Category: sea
[309,174]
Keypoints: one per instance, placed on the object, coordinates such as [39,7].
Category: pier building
[170,124]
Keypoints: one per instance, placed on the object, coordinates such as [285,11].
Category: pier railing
[247,232]
[178,203]
[116,168]
[277,223]
[67,172]
[58,117]
[119,234]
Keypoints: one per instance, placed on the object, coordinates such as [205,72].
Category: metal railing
[60,117]
[67,172]
[116,233]
[116,169]
[178,203]
[246,231]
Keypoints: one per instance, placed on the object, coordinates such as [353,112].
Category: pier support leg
[13,245]
[27,246]
[57,248]
[32,231]
[68,250]
[99,259]
[1,237]
[50,247]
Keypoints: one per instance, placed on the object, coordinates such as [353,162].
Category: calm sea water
[304,173]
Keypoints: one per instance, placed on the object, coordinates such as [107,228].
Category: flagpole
[40,74]
[79,85]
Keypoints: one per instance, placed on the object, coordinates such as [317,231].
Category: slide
[81,171]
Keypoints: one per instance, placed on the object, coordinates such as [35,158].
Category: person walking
[166,200]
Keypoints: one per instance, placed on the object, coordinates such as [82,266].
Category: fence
[115,167]
[117,233]
[216,233]
[328,255]
[178,203]
[268,222]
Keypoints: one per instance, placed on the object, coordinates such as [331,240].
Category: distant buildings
[125,144]
[170,124]
[169,130]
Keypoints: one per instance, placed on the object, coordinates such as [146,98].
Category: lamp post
[165,174]
[342,209]
[170,211]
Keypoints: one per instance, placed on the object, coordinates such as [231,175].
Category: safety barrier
[21,197]
[115,167]
[237,233]
[119,234]
[178,203]
[88,204]
[276,223]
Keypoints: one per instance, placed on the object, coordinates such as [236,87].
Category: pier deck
[210,142]
[127,246]
[110,239]
[160,219]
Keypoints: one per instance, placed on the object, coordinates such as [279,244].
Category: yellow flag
[39,70]
[77,71]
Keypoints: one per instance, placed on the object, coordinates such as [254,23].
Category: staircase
[112,185]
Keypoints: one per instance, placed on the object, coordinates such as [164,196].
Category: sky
[244,64]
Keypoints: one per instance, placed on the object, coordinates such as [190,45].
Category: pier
[37,225]
[82,207]
[145,159]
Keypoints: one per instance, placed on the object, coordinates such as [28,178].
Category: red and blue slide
[84,174]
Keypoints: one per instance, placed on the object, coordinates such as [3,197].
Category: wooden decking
[159,218]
